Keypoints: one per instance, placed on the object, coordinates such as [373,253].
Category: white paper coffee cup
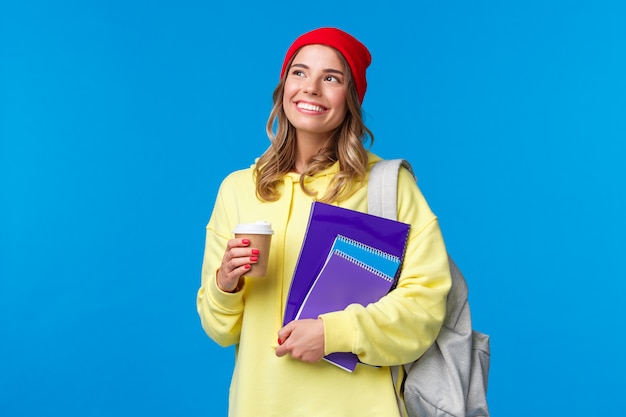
[260,236]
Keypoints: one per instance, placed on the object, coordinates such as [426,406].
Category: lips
[310,107]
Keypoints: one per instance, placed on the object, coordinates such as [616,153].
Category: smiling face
[314,98]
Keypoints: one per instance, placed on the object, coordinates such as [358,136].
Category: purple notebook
[325,223]
[346,280]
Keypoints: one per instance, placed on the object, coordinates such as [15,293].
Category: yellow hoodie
[395,330]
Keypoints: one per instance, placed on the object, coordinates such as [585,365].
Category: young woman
[317,152]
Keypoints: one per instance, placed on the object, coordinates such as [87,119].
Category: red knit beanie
[354,52]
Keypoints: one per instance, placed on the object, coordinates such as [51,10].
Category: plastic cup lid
[258,228]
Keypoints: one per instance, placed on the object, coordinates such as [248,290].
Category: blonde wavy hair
[347,145]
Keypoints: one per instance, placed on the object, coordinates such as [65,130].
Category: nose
[312,87]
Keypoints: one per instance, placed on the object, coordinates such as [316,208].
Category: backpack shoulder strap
[382,196]
[382,187]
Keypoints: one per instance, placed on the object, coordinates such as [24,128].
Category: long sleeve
[220,312]
[403,324]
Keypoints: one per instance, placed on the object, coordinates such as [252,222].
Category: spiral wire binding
[363,265]
[363,246]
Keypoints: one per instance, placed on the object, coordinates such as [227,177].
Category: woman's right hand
[235,263]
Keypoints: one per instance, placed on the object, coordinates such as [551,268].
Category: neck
[307,146]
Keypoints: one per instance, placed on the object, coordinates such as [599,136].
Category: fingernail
[254,259]
[255,251]
[245,241]
[280,342]
[246,266]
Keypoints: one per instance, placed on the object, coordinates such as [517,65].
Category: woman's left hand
[302,339]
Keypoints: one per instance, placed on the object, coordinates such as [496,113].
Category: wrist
[237,287]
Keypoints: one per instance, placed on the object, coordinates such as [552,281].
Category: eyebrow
[331,70]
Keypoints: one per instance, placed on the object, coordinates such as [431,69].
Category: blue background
[119,119]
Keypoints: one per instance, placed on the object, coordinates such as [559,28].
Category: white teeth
[311,107]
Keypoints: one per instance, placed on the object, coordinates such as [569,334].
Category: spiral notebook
[353,273]
[325,223]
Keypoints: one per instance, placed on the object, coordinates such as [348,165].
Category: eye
[298,73]
[332,79]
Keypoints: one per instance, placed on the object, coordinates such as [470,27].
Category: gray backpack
[450,378]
